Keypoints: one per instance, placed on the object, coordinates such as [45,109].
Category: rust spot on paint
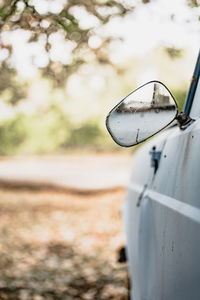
[137,135]
[193,79]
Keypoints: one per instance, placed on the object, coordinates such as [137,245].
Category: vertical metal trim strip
[193,86]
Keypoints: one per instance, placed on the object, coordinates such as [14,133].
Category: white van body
[161,214]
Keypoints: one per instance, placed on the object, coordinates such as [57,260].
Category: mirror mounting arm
[184,120]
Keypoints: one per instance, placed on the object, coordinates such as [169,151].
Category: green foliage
[193,3]
[12,134]
[173,52]
[87,135]
[46,130]
[9,83]
[53,131]
[180,97]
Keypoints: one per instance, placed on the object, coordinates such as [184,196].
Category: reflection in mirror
[141,114]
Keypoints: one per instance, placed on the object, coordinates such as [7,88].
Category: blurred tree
[12,134]
[193,3]
[8,81]
[173,52]
[45,18]
[49,24]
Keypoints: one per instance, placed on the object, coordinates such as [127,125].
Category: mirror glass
[141,114]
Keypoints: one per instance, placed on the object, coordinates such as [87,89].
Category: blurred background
[64,65]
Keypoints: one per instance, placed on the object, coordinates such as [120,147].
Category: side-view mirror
[143,113]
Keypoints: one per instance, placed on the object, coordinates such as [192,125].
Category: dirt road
[75,171]
[61,246]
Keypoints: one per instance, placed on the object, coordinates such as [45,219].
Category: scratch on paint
[137,135]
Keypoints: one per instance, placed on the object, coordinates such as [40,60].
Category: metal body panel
[163,240]
[195,110]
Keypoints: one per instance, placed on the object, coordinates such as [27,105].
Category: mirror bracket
[184,120]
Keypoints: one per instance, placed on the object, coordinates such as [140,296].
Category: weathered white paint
[163,233]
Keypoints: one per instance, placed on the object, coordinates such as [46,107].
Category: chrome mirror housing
[141,114]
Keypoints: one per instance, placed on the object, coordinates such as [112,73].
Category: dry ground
[61,246]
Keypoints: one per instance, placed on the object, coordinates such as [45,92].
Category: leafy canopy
[45,18]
